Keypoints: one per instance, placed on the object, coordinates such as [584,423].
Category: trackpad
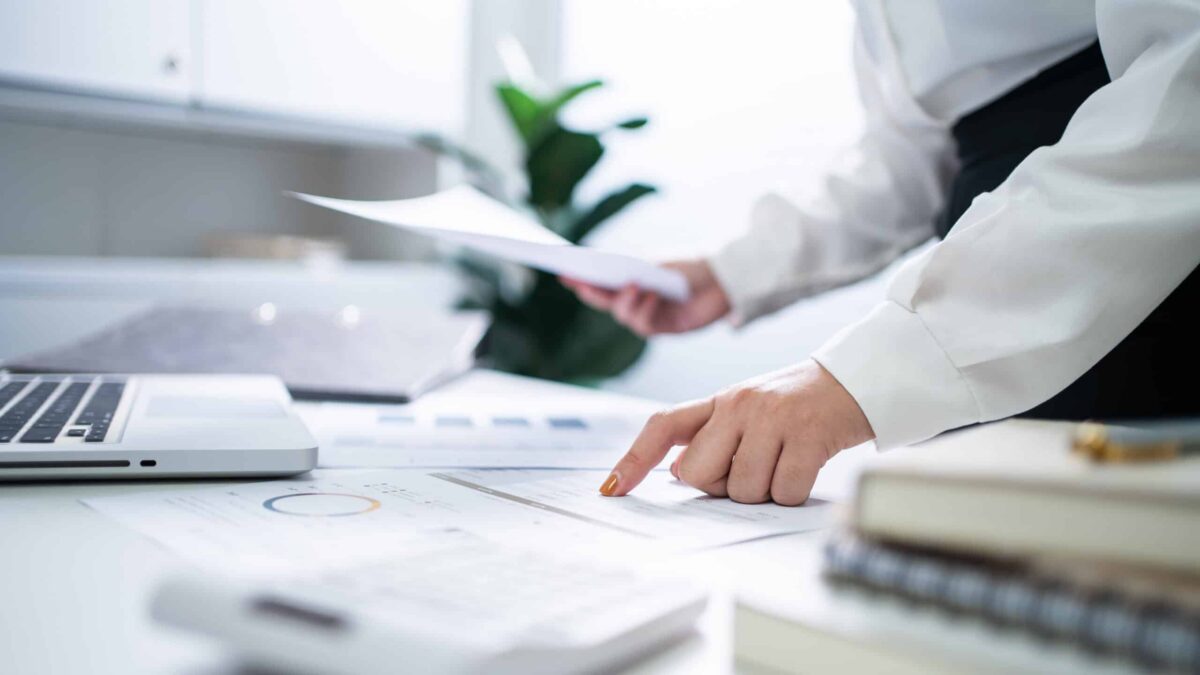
[196,407]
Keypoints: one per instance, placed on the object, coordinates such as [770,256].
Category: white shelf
[58,108]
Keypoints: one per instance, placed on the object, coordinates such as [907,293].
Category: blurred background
[146,145]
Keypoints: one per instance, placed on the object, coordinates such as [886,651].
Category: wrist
[847,415]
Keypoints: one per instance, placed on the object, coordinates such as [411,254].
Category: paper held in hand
[462,215]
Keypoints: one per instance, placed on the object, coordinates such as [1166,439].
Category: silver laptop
[149,426]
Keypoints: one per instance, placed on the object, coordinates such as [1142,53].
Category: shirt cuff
[729,267]
[759,271]
[900,376]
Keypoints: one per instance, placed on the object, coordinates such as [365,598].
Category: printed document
[465,216]
[331,516]
[660,508]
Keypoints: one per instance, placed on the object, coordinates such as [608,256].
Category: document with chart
[333,515]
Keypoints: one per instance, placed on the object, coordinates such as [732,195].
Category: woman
[1055,149]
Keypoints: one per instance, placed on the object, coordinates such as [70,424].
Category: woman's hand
[762,440]
[645,313]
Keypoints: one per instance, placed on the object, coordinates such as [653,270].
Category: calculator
[453,603]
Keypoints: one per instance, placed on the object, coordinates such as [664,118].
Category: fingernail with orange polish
[610,485]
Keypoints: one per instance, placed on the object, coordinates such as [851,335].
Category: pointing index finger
[663,431]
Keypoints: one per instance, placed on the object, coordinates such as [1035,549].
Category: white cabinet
[125,48]
[393,63]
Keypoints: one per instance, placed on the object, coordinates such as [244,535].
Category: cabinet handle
[171,64]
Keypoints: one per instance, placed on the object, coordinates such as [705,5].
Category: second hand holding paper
[465,216]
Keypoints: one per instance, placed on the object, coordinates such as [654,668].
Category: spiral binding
[1152,632]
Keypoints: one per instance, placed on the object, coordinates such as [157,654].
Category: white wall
[537,26]
[742,96]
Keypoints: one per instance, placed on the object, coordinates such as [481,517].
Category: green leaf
[550,334]
[534,118]
[557,164]
[568,94]
[607,208]
[524,110]
[633,123]
[595,346]
[547,115]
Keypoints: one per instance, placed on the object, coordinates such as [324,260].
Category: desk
[75,585]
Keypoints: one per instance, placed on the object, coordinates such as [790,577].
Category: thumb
[663,431]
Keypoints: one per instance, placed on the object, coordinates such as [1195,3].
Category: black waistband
[994,139]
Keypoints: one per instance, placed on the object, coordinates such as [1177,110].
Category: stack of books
[1066,565]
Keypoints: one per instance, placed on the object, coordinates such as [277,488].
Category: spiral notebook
[1153,621]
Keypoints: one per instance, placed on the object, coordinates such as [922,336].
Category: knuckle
[790,487]
[743,396]
[634,458]
[659,419]
[689,474]
[775,403]
[789,497]
[695,475]
[790,476]
[745,492]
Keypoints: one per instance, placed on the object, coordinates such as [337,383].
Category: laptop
[55,427]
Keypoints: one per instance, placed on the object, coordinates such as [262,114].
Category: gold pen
[1127,442]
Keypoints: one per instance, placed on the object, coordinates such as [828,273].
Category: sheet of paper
[332,516]
[328,517]
[660,508]
[458,430]
[464,216]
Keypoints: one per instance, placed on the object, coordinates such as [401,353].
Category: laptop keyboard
[21,400]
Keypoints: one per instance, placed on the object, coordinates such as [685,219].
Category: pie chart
[321,504]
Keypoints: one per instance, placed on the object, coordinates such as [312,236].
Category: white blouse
[1040,278]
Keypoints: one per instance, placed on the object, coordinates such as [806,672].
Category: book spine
[1152,633]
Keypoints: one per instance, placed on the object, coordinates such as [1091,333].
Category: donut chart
[321,504]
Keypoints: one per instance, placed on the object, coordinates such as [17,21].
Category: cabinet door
[126,48]
[394,63]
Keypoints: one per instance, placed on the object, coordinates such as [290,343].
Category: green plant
[542,329]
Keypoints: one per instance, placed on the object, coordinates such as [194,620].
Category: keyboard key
[10,390]
[19,414]
[40,436]
[47,427]
[75,432]
[103,404]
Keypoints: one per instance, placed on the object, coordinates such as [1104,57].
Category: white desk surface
[75,586]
